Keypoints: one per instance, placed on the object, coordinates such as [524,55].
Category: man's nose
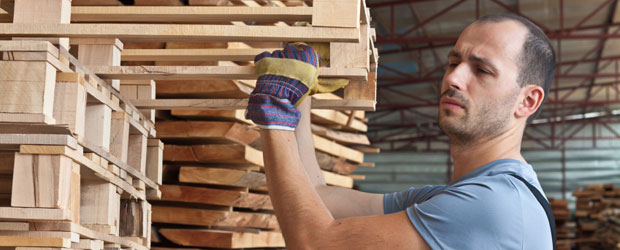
[457,78]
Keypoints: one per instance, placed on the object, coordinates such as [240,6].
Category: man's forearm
[341,202]
[298,207]
[305,145]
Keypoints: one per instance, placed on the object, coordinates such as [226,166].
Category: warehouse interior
[122,122]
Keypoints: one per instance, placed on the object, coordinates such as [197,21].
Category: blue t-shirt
[484,209]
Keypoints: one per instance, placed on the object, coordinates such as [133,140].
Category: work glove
[285,78]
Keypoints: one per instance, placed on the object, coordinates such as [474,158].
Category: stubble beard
[487,121]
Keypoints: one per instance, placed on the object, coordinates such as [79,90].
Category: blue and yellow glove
[285,78]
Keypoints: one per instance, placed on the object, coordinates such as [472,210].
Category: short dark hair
[537,58]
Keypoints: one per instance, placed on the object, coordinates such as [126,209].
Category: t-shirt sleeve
[468,216]
[399,201]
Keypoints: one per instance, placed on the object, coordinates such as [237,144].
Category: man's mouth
[451,103]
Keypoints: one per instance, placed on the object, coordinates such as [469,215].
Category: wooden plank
[205,217]
[87,233]
[192,54]
[37,139]
[202,89]
[222,176]
[183,32]
[88,244]
[341,136]
[327,116]
[332,117]
[15,226]
[222,239]
[207,72]
[206,132]
[203,15]
[34,214]
[336,149]
[334,164]
[26,241]
[224,153]
[338,180]
[236,115]
[213,196]
[29,46]
[342,13]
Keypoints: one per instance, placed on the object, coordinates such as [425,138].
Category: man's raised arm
[285,78]
[341,202]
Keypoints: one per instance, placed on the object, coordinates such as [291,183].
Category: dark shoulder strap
[544,203]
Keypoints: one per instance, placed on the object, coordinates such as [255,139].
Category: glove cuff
[269,112]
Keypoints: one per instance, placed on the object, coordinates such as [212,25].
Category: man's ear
[532,97]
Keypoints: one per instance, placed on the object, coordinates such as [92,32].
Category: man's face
[479,89]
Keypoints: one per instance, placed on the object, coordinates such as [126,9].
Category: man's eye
[483,71]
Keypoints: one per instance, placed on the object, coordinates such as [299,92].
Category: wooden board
[28,241]
[334,164]
[225,153]
[205,132]
[222,176]
[205,217]
[202,89]
[192,54]
[341,137]
[336,118]
[337,150]
[237,115]
[338,180]
[222,239]
[328,116]
[207,72]
[213,196]
[204,15]
[183,32]
[34,214]
[342,13]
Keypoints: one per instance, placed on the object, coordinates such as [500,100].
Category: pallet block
[70,102]
[27,88]
[154,159]
[42,181]
[100,206]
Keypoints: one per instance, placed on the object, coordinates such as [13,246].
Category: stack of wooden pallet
[213,181]
[565,229]
[598,217]
[77,160]
[214,193]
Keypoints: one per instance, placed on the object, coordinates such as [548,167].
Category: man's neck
[470,156]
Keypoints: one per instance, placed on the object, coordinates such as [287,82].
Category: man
[499,73]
